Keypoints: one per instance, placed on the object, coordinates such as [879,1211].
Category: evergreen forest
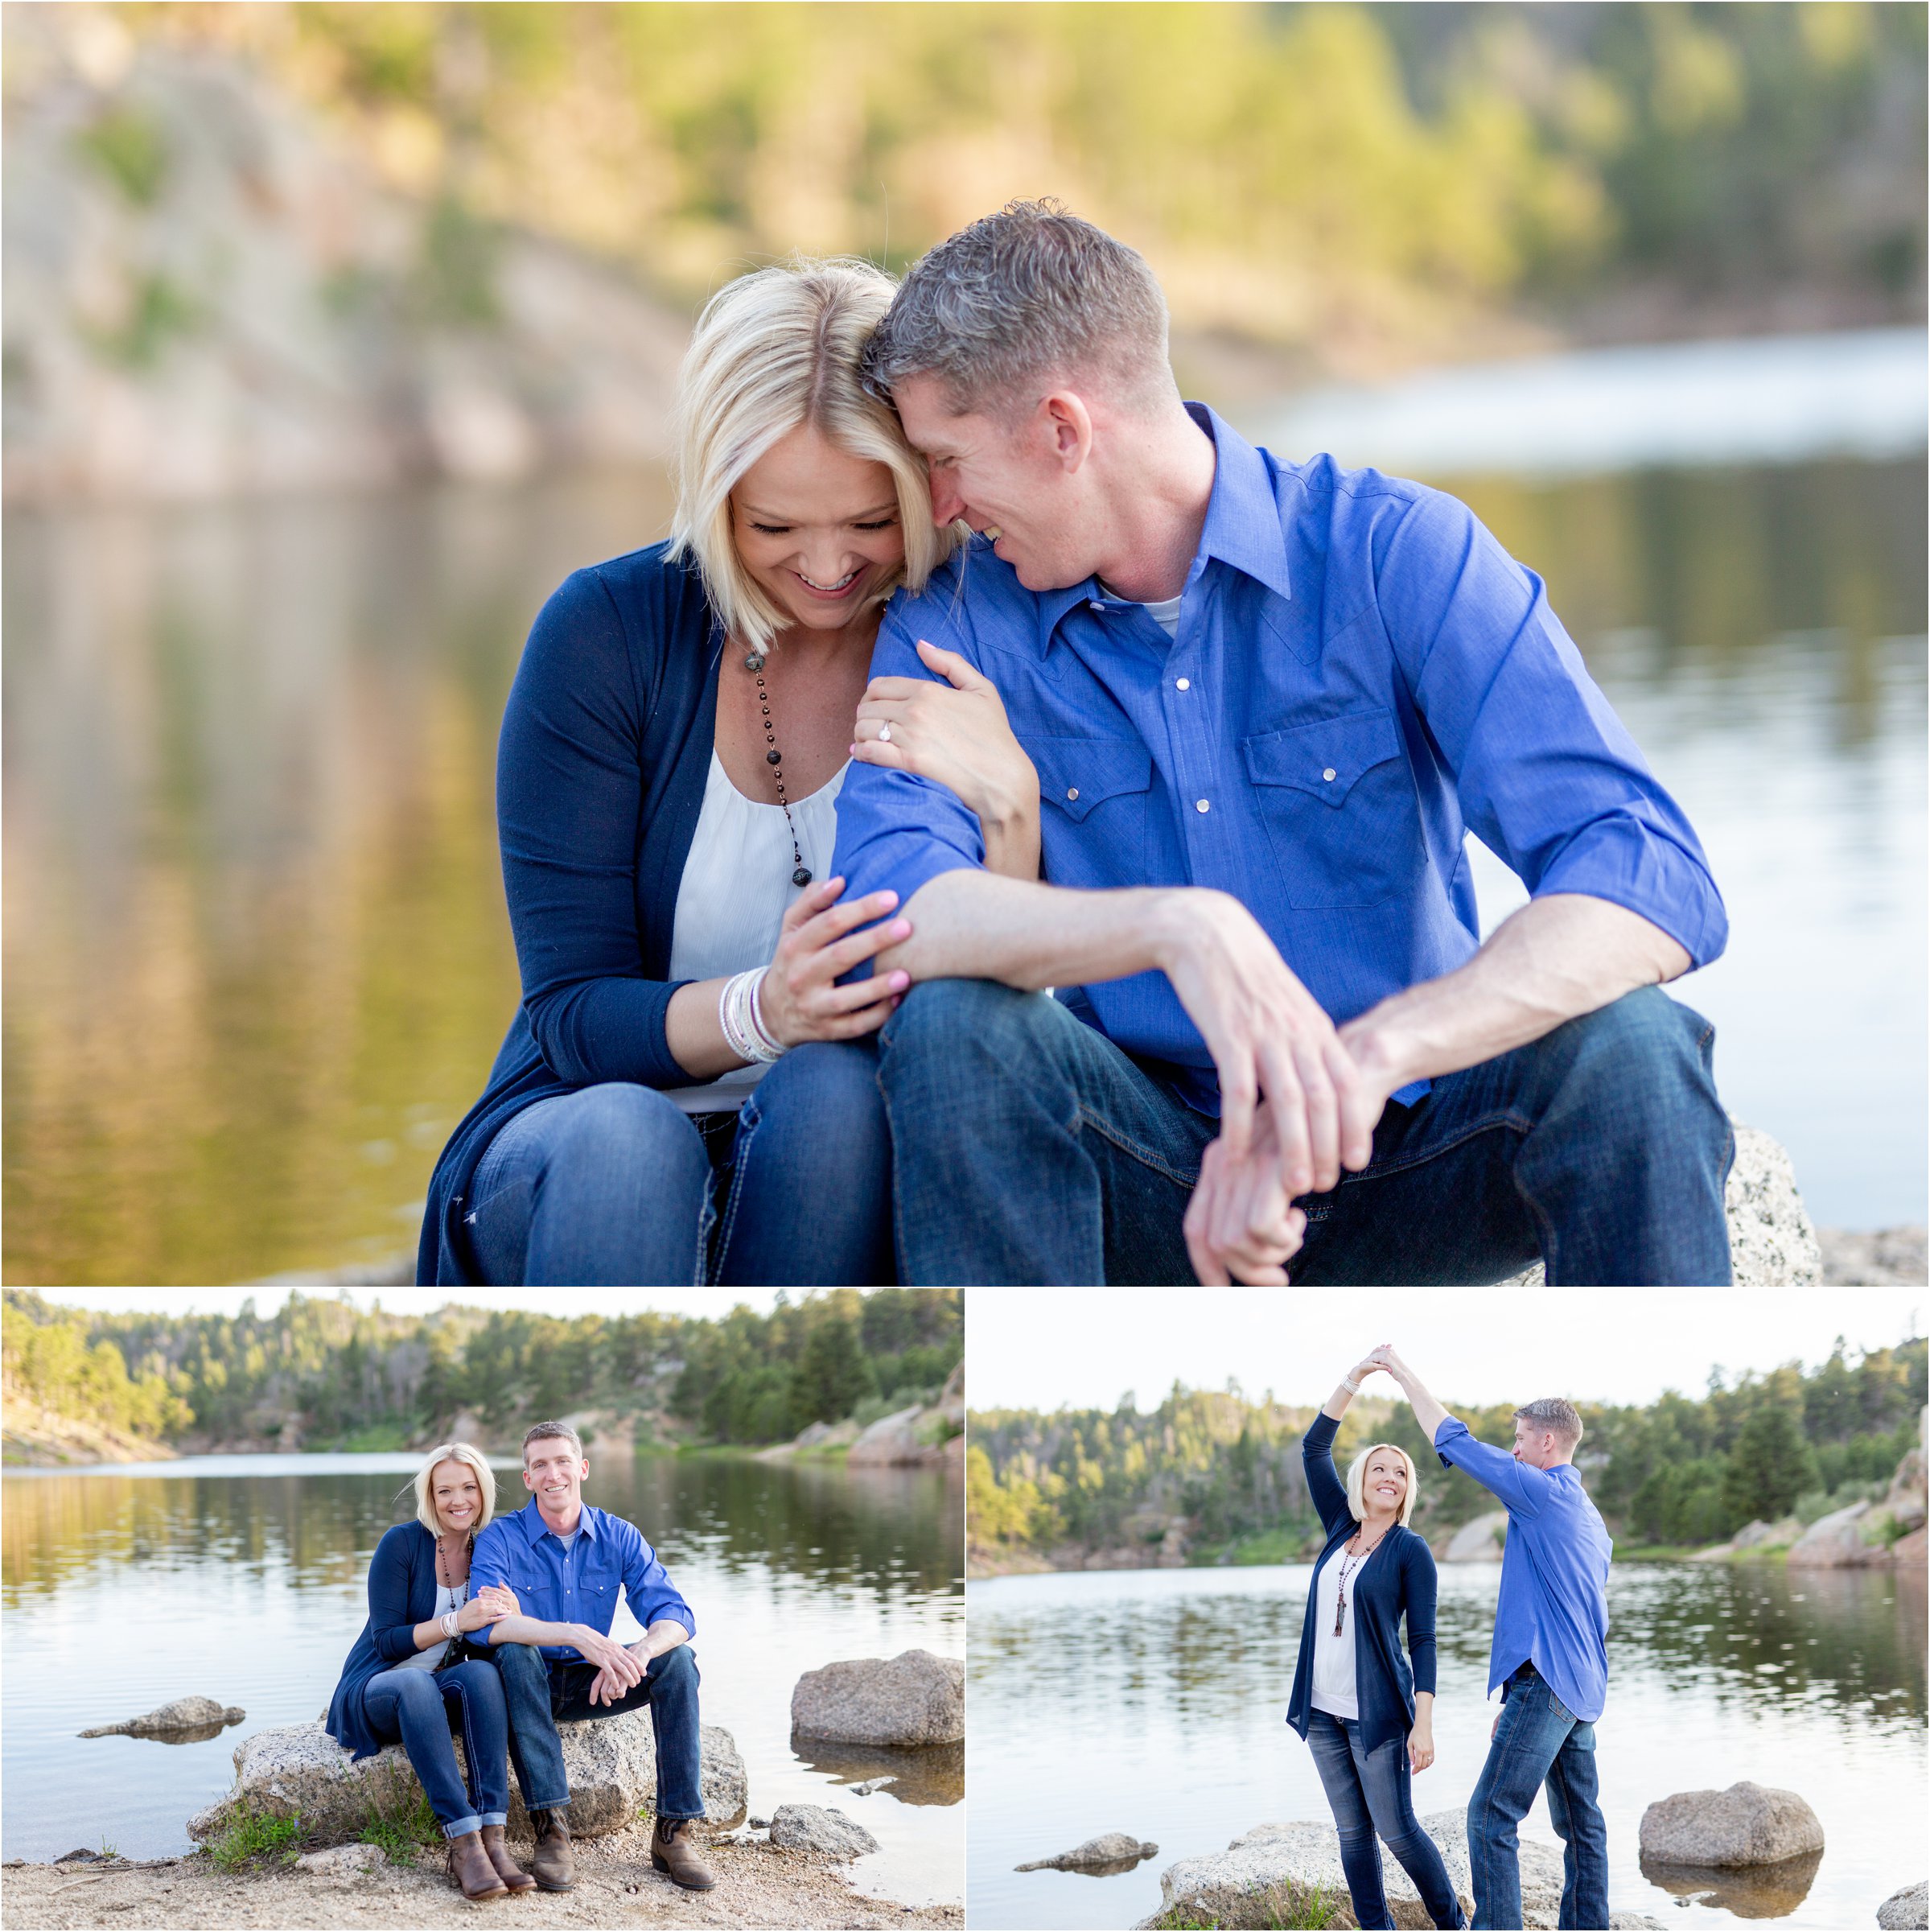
[1223,1472]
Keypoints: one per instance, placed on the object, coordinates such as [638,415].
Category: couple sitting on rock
[503,1627]
[1368,1716]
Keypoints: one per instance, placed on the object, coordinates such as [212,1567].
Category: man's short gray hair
[1030,290]
[560,1432]
[1555,1414]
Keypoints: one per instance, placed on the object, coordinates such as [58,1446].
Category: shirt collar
[1242,526]
[530,1519]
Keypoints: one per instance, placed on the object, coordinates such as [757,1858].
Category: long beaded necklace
[753,663]
[1354,1566]
[453,1649]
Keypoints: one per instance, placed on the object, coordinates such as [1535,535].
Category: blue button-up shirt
[1361,676]
[1554,1608]
[579,1584]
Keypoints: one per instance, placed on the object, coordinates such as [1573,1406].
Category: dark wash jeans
[614,1183]
[1539,1741]
[1370,1794]
[413,1707]
[542,1693]
[1028,1148]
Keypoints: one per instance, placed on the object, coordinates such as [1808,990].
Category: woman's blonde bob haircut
[1356,1481]
[453,1452]
[773,350]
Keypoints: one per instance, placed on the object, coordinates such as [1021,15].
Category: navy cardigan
[401,1594]
[1400,1581]
[600,773]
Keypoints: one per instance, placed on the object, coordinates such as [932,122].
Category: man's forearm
[1427,1411]
[1557,958]
[664,1635]
[969,924]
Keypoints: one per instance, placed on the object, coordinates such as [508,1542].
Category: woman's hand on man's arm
[956,734]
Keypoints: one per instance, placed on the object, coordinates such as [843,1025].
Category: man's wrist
[1379,1047]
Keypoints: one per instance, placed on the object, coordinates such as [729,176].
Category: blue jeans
[614,1183]
[413,1707]
[1539,1741]
[1028,1148]
[1370,1794]
[542,1693]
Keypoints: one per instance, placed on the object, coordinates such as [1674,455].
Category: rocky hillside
[208,294]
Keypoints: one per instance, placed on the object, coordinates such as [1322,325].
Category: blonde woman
[408,1673]
[668,1102]
[1368,1716]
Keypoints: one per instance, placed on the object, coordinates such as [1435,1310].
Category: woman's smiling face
[455,1495]
[818,528]
[1384,1483]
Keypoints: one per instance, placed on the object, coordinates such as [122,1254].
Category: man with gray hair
[563,1562]
[1549,1658]
[1266,701]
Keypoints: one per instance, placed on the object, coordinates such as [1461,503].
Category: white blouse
[1334,1690]
[734,893]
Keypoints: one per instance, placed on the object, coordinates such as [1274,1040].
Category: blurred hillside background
[335,335]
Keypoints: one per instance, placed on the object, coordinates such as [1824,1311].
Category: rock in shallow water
[911,1699]
[819,1831]
[298,1770]
[1749,1824]
[199,1715]
[1906,1909]
[1111,1852]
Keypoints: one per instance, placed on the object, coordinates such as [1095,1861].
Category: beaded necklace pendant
[753,663]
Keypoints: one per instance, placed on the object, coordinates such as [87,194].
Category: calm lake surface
[243,1578]
[1153,1701]
[256,959]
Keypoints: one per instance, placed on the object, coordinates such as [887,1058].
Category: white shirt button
[1199,804]
[1182,684]
[1328,774]
[1072,791]
[1097,605]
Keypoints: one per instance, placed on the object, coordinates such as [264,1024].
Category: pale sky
[1082,1348]
[561,1302]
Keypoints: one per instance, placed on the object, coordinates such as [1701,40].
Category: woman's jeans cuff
[494,1818]
[460,1827]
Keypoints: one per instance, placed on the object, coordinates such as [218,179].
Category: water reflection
[257,961]
[1152,1702]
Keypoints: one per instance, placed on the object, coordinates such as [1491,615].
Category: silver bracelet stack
[1352,1388]
[450,1629]
[740,1014]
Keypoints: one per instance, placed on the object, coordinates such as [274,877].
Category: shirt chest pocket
[1093,793]
[1337,799]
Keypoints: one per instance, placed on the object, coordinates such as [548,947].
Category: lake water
[243,1578]
[257,960]
[1152,1702]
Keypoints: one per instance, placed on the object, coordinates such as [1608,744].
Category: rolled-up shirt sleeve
[895,830]
[1519,1486]
[647,1585]
[1547,775]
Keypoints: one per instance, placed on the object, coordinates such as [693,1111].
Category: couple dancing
[1013,832]
[500,1628]
[1368,1716]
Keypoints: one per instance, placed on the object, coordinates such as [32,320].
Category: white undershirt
[448,1596]
[1165,613]
[1334,1690]
[734,893]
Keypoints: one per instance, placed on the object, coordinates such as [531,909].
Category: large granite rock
[1109,1853]
[1837,1541]
[1772,1242]
[1749,1824]
[1906,1909]
[1481,1541]
[298,1770]
[911,1699]
[186,1721]
[820,1832]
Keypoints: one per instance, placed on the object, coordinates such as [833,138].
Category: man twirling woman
[409,1673]
[1366,1715]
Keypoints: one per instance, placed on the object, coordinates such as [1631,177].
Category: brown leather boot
[470,1868]
[671,1851]
[554,1867]
[507,1869]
